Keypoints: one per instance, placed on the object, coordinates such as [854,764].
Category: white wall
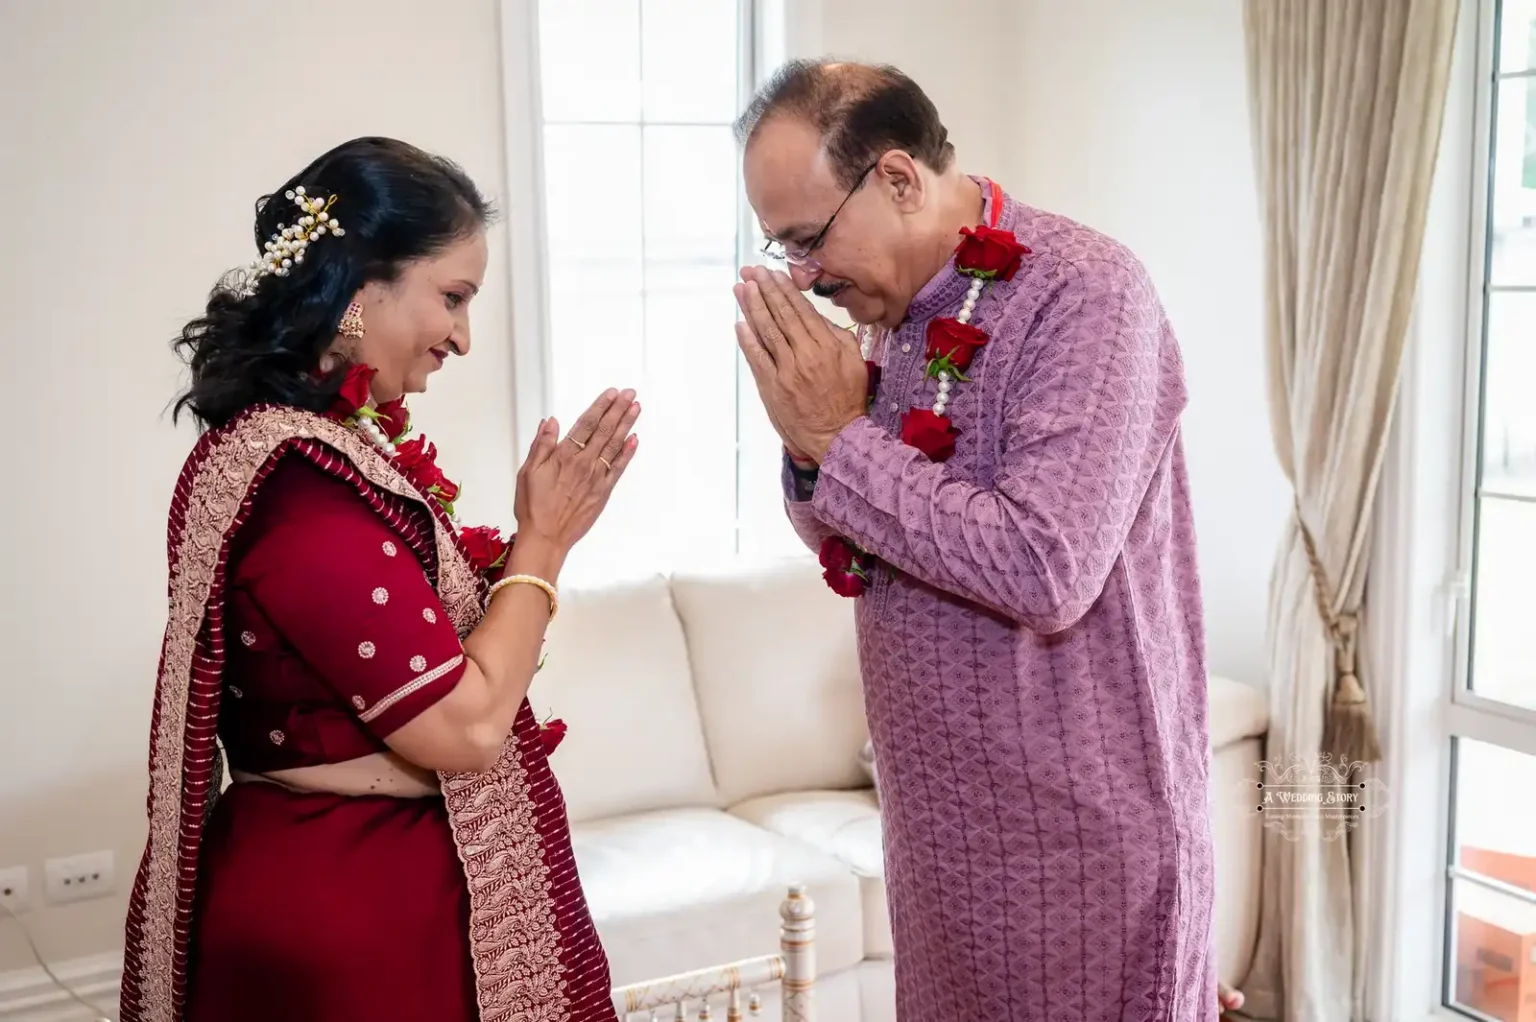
[137,137]
[1133,119]
[963,59]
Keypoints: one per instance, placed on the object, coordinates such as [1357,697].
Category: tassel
[1349,733]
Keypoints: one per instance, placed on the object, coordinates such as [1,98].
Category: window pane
[686,78]
[1508,414]
[692,199]
[1513,206]
[592,194]
[589,59]
[1493,931]
[1502,665]
[592,203]
[643,221]
[1517,35]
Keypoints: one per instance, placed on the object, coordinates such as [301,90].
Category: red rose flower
[484,545]
[953,340]
[845,570]
[415,454]
[551,734]
[932,434]
[394,418]
[873,369]
[844,583]
[989,253]
[417,461]
[354,391]
[836,554]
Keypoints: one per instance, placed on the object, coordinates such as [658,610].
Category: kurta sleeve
[799,492]
[346,594]
[1092,412]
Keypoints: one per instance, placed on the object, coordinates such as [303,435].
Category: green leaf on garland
[942,364]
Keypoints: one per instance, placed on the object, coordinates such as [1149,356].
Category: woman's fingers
[622,459]
[615,441]
[545,439]
[608,425]
[581,433]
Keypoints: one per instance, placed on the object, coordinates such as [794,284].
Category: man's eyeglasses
[800,255]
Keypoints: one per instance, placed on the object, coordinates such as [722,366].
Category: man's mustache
[827,288]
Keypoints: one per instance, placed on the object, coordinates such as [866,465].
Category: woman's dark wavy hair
[397,204]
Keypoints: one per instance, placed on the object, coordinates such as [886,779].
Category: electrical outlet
[13,889]
[79,877]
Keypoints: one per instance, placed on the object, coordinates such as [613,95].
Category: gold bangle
[527,580]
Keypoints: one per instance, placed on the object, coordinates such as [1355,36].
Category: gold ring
[579,445]
[606,464]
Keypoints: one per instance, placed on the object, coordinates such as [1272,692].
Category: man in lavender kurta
[1030,637]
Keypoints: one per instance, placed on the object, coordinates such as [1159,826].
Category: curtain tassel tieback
[1349,733]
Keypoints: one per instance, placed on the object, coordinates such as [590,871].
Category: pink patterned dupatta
[535,952]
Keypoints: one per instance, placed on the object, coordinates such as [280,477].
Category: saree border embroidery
[514,939]
[415,684]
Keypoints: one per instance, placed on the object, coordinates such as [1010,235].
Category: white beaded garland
[371,429]
[946,382]
[971,298]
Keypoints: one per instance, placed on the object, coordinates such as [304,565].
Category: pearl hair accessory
[285,249]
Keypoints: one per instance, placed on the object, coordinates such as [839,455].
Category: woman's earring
[351,325]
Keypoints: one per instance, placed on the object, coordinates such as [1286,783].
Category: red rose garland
[984,254]
[416,459]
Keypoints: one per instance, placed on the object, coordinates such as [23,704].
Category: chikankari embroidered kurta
[1033,652]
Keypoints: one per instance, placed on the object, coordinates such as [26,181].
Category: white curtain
[1347,100]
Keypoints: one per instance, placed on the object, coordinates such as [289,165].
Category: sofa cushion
[680,889]
[844,825]
[777,672]
[1239,837]
[1236,711]
[617,674]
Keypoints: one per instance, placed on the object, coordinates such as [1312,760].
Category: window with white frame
[645,226]
[1490,964]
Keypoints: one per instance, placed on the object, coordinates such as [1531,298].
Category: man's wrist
[820,448]
[800,462]
[799,482]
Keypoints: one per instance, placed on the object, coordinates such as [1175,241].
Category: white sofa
[713,759]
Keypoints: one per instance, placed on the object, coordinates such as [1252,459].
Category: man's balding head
[850,170]
[859,111]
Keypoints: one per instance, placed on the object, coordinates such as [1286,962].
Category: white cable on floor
[101,1016]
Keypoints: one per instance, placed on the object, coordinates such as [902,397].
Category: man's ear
[902,178]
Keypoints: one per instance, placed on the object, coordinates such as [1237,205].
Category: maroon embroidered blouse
[337,637]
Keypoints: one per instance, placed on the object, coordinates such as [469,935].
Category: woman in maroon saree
[394,845]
